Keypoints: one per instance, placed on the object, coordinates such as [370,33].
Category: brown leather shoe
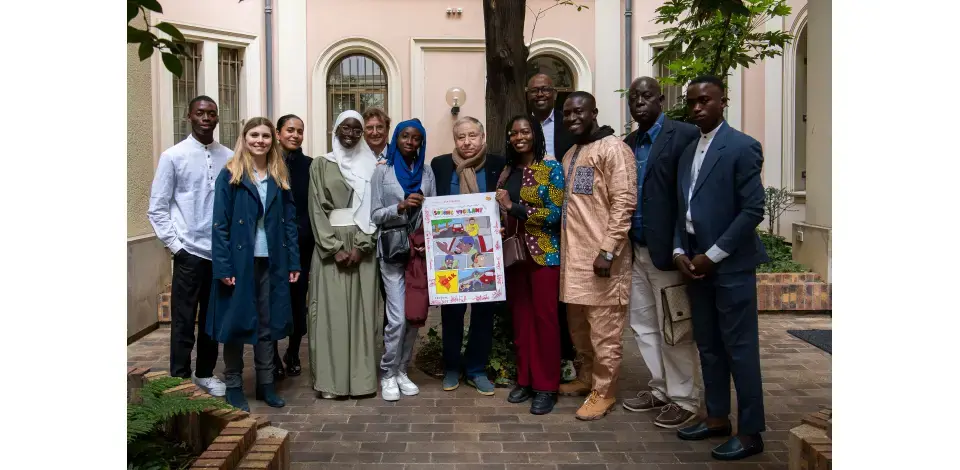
[595,407]
[645,401]
[575,389]
[672,416]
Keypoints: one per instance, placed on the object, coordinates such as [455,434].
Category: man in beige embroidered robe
[601,195]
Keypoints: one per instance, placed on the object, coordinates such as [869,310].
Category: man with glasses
[542,102]
[376,125]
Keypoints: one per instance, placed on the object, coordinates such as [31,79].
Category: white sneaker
[389,389]
[211,384]
[407,387]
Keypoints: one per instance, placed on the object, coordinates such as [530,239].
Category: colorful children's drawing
[466,264]
[447,282]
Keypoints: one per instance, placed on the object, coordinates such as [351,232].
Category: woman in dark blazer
[255,257]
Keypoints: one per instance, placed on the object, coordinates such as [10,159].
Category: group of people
[269,243]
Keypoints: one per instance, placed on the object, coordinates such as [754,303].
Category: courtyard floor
[463,430]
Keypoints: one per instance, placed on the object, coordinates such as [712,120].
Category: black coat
[562,138]
[298,165]
[658,199]
[443,169]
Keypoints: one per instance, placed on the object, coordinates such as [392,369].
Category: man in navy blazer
[657,145]
[469,156]
[720,197]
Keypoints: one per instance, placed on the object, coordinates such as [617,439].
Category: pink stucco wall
[229,15]
[397,22]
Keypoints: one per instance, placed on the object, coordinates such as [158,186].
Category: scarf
[410,179]
[600,133]
[466,169]
[356,165]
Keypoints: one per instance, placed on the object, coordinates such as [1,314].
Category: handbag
[514,250]
[395,241]
[677,317]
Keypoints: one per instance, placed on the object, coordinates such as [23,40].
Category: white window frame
[210,40]
[331,56]
[789,103]
[645,67]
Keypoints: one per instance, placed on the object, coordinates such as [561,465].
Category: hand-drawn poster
[464,254]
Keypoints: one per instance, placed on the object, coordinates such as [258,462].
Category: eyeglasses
[545,90]
[346,130]
[380,128]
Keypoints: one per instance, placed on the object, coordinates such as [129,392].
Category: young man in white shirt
[181,210]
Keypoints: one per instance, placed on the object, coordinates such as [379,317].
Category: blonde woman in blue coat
[255,257]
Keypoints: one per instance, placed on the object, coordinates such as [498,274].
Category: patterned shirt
[601,195]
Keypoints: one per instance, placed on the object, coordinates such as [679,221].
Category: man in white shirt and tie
[181,211]
[720,198]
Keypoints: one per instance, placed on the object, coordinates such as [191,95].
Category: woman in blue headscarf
[398,190]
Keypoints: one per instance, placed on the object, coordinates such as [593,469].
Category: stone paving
[462,430]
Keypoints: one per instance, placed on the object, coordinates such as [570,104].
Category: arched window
[357,82]
[555,68]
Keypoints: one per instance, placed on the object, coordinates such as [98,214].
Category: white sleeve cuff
[679,251]
[716,254]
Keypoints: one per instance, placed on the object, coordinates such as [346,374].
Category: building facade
[403,55]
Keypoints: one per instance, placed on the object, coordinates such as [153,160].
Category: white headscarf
[356,165]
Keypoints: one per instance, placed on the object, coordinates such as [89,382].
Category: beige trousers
[596,332]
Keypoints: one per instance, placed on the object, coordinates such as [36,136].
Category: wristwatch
[606,255]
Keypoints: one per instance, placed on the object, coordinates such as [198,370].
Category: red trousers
[532,293]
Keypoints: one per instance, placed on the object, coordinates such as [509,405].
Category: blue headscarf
[409,179]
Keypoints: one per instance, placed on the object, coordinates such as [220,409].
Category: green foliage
[715,36]
[502,365]
[781,255]
[503,359]
[147,446]
[155,407]
[170,50]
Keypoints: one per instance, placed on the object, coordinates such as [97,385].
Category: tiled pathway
[462,430]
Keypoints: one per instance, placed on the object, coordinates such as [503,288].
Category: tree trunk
[506,67]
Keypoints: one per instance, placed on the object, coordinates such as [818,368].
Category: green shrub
[148,445]
[781,255]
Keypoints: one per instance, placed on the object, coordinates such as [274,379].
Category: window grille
[355,82]
[673,93]
[229,65]
[184,90]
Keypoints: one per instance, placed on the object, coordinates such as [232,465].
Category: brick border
[793,292]
[811,444]
[227,436]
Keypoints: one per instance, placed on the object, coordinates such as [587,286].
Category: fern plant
[156,407]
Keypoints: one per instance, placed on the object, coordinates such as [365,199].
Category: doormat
[822,339]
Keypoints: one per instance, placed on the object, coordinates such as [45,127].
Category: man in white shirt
[181,210]
[720,204]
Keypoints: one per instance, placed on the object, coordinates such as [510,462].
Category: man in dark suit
[657,145]
[542,103]
[720,197]
[468,170]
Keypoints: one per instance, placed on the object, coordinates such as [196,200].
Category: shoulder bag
[677,323]
[514,250]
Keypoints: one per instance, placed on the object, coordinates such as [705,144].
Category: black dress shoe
[519,394]
[736,448]
[543,403]
[701,431]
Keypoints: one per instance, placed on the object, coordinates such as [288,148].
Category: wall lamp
[456,97]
